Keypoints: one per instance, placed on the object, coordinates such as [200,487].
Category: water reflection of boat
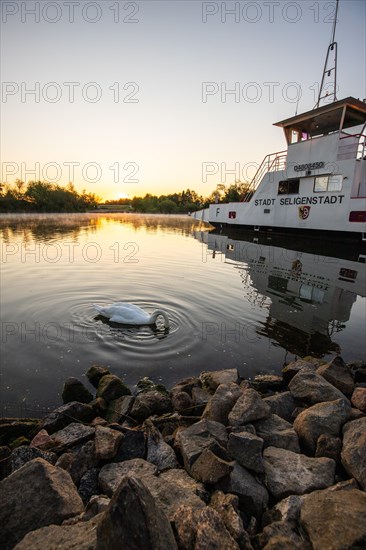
[308,293]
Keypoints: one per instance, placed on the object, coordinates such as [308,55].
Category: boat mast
[330,71]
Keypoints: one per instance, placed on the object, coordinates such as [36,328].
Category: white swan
[129,314]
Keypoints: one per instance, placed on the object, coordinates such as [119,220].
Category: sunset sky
[118,103]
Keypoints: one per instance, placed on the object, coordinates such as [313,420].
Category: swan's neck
[157,313]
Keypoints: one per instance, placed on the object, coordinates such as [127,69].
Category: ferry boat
[318,184]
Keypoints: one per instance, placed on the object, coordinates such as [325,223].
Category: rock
[119,408]
[99,405]
[186,385]
[322,418]
[209,468]
[360,375]
[185,521]
[169,496]
[181,479]
[221,403]
[263,383]
[143,528]
[81,536]
[200,398]
[194,440]
[287,510]
[311,388]
[289,473]
[133,445]
[335,520]
[252,495]
[212,533]
[227,506]
[281,535]
[111,387]
[98,421]
[246,448]
[84,460]
[147,385]
[212,379]
[293,368]
[282,404]
[96,505]
[88,486]
[22,455]
[36,495]
[65,415]
[19,441]
[150,403]
[354,450]
[159,452]
[42,440]
[276,432]
[95,373]
[249,407]
[111,475]
[74,434]
[338,374]
[182,402]
[329,447]
[107,442]
[358,399]
[74,390]
[11,429]
[5,462]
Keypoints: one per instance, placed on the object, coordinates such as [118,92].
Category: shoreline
[216,461]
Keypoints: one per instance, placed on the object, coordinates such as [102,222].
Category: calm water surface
[231,302]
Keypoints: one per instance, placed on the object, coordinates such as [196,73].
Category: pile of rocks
[217,462]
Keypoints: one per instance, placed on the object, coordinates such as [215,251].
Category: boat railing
[359,149]
[271,163]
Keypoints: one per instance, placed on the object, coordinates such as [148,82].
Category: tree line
[41,196]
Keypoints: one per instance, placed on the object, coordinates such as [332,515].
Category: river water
[232,301]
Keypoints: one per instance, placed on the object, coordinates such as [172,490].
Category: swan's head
[160,313]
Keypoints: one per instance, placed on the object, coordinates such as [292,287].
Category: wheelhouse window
[289,187]
[328,183]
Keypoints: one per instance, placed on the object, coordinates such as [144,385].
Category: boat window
[289,187]
[328,183]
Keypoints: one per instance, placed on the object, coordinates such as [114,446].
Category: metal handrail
[271,163]
[361,148]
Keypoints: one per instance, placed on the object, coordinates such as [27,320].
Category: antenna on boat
[327,71]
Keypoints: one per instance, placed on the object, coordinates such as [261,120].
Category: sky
[125,98]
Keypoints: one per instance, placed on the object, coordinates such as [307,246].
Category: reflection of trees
[43,227]
[297,341]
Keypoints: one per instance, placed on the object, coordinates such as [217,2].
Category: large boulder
[283,404]
[210,468]
[338,374]
[335,519]
[145,526]
[213,379]
[74,434]
[290,370]
[23,454]
[111,475]
[246,448]
[36,495]
[358,399]
[150,403]
[95,373]
[74,390]
[322,418]
[111,387]
[202,435]
[249,407]
[65,415]
[253,496]
[81,536]
[310,387]
[354,450]
[277,432]
[221,403]
[107,442]
[289,473]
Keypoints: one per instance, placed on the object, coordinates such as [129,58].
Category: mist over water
[231,302]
